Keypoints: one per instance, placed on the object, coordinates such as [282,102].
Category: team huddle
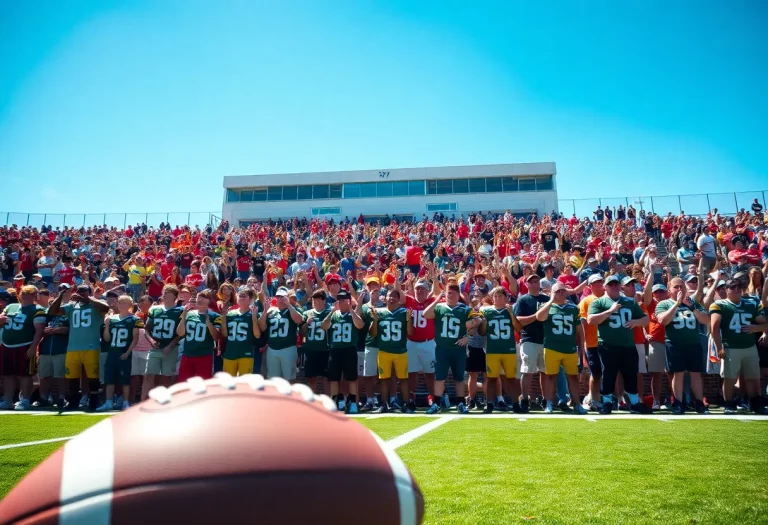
[392,334]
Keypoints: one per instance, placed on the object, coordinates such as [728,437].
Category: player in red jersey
[421,343]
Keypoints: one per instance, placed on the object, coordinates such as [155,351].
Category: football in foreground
[224,450]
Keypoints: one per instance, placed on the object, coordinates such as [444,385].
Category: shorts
[593,361]
[367,362]
[282,363]
[139,363]
[453,359]
[475,359]
[195,366]
[162,364]
[238,367]
[531,357]
[87,359]
[421,356]
[685,358]
[14,361]
[657,357]
[387,360]
[496,363]
[316,363]
[744,361]
[52,366]
[708,263]
[117,371]
[342,364]
[554,359]
[642,368]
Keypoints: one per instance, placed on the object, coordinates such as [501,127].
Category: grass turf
[391,427]
[24,428]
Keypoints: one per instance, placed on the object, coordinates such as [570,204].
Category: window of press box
[544,183]
[260,194]
[289,193]
[527,184]
[275,193]
[305,193]
[477,185]
[233,196]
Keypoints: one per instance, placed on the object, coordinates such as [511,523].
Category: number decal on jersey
[620,318]
[163,328]
[17,321]
[451,328]
[196,331]
[278,327]
[119,337]
[738,320]
[342,333]
[237,331]
[563,324]
[81,318]
[391,330]
[418,319]
[314,332]
[499,329]
[684,319]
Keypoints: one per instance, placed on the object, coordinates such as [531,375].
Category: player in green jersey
[121,331]
[340,326]
[201,329]
[243,333]
[22,325]
[615,316]
[734,321]
[499,325]
[680,316]
[315,345]
[391,326]
[162,322]
[452,320]
[281,323]
[563,345]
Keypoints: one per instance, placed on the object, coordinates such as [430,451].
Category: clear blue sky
[144,106]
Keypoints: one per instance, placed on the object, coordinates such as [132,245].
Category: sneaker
[106,407]
[516,408]
[84,402]
[381,410]
[499,405]
[623,405]
[352,408]
[472,405]
[744,407]
[41,403]
[488,408]
[433,409]
[701,408]
[677,409]
[412,405]
[5,406]
[480,400]
[117,401]
[22,405]
[462,408]
[580,410]
[606,409]
[525,406]
[61,403]
[656,406]
[563,406]
[639,408]
[368,407]
[729,410]
[592,407]
[548,408]
[395,405]
[125,406]
[406,410]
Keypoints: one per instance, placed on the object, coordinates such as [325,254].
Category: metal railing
[118,220]
[691,204]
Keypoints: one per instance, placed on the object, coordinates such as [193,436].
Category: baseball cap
[594,278]
[690,278]
[332,277]
[343,294]
[531,276]
[282,292]
[372,279]
[591,260]
[111,279]
[64,286]
[719,284]
[612,279]
[422,284]
[659,288]
[558,286]
[628,279]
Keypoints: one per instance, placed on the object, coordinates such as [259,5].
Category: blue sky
[137,106]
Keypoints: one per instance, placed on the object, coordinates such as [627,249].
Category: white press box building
[406,193]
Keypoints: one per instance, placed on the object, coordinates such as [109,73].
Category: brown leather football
[226,450]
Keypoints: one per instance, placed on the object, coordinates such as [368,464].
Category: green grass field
[568,470]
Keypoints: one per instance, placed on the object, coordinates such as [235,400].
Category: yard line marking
[522,419]
[746,420]
[592,419]
[33,443]
[665,420]
[409,436]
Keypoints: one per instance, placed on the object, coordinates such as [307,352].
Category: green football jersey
[316,339]
[392,334]
[342,333]
[560,328]
[121,332]
[162,323]
[733,317]
[500,334]
[85,324]
[684,329]
[198,341]
[451,323]
[19,329]
[281,328]
[240,339]
[612,331]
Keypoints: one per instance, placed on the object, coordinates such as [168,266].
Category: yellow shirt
[136,274]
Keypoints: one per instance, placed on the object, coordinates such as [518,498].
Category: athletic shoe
[61,403]
[480,400]
[5,406]
[499,405]
[677,409]
[729,410]
[126,405]
[462,408]
[352,408]
[488,408]
[623,405]
[580,410]
[701,408]
[394,405]
[516,408]
[41,403]
[639,408]
[592,407]
[107,406]
[433,409]
[22,405]
[84,402]
[472,405]
[368,407]
[412,405]
[548,408]
[606,409]
[117,401]
[656,406]
[406,410]
[563,406]
[525,406]
[381,410]
[744,407]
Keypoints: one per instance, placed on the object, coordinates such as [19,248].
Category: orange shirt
[590,331]
[655,328]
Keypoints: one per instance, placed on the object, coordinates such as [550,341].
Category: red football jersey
[423,329]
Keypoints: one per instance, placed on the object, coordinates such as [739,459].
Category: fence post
[763,192]
[573,203]
[125,220]
[45,218]
[709,206]
[653,210]
[167,218]
[146,218]
[7,218]
[64,222]
[104,218]
[680,204]
[189,218]
[736,202]
[27,219]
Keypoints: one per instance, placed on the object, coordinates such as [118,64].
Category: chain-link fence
[118,220]
[692,204]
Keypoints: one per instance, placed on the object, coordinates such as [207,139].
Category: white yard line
[409,436]
[33,443]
